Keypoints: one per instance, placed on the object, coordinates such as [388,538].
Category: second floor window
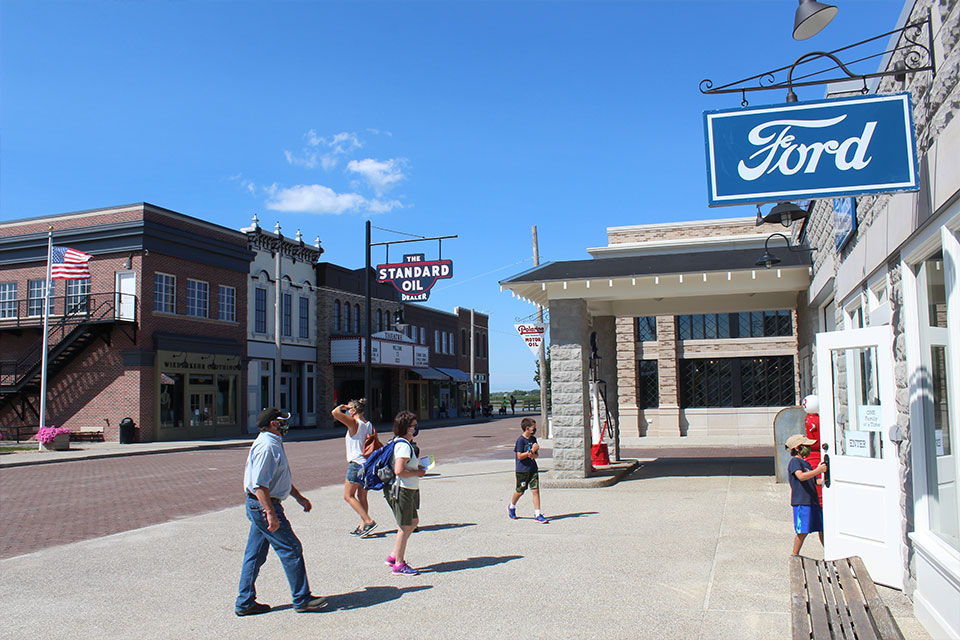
[227,307]
[8,299]
[164,293]
[304,317]
[463,342]
[198,297]
[647,329]
[35,295]
[260,310]
[356,318]
[287,319]
[78,294]
[379,320]
[346,317]
[336,315]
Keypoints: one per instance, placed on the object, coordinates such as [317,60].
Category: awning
[456,374]
[429,373]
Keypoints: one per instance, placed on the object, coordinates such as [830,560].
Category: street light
[767,260]
[811,18]
[785,213]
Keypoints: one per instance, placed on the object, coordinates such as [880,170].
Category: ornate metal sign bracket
[914,57]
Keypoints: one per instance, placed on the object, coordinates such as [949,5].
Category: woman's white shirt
[403,450]
[355,442]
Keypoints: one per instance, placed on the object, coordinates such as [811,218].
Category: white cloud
[316,198]
[380,175]
[324,151]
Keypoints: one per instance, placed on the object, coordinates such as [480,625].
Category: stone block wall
[569,354]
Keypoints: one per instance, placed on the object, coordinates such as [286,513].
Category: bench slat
[881,615]
[818,609]
[843,612]
[861,623]
[799,618]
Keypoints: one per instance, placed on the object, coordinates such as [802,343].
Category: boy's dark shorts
[404,506]
[527,480]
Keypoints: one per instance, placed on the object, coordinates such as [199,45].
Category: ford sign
[820,149]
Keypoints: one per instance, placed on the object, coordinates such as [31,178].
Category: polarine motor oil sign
[415,276]
[532,334]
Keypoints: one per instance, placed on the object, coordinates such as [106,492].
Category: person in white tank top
[352,416]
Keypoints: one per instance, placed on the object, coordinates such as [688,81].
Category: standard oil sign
[415,276]
[819,149]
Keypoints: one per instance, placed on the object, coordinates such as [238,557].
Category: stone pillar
[606,329]
[668,415]
[569,354]
[628,411]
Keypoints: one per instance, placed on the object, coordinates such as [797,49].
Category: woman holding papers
[403,495]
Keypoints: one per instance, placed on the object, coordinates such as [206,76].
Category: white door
[125,304]
[861,504]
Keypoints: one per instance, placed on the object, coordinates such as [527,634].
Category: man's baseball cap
[795,441]
[269,415]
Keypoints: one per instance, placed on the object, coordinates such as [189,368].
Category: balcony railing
[72,309]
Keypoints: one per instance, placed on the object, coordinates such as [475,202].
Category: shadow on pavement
[368,597]
[702,467]
[422,528]
[579,514]
[470,563]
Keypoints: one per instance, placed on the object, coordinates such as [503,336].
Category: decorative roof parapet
[260,240]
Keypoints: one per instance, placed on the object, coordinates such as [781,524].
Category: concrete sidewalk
[692,549]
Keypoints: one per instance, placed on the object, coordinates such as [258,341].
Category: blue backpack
[378,469]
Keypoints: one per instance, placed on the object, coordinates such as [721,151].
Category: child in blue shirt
[807,513]
[526,450]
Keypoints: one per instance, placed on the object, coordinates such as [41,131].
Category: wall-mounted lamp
[767,260]
[398,320]
[811,18]
[785,213]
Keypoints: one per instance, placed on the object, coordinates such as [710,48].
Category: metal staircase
[83,321]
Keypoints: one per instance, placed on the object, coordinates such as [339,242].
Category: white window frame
[8,300]
[226,303]
[194,308]
[168,280]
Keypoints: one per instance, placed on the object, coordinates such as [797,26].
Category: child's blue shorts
[807,518]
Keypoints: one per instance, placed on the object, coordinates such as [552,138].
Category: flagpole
[43,343]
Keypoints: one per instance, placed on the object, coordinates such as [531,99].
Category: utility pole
[473,371]
[544,418]
[278,356]
[367,346]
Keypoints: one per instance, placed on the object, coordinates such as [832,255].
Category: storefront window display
[198,390]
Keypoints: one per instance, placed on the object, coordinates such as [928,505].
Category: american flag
[69,264]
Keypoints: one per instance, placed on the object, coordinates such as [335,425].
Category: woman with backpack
[352,415]
[403,495]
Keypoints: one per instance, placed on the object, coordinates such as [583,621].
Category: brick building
[155,334]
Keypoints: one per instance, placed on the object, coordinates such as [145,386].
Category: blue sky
[434,118]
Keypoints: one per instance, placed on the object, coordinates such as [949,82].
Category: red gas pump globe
[811,404]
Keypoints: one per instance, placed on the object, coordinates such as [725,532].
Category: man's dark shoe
[254,609]
[313,604]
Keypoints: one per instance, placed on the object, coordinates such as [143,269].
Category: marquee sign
[817,149]
[415,276]
[532,334]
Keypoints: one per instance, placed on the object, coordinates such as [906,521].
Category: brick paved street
[54,504]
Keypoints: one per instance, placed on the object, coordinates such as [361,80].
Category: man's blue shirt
[267,467]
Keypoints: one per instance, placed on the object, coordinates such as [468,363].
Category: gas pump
[599,452]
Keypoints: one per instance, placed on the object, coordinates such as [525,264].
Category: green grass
[14,448]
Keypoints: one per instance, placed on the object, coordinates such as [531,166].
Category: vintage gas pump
[811,404]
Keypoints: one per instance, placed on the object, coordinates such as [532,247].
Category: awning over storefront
[456,374]
[429,373]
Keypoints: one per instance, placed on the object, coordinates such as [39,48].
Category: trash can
[127,431]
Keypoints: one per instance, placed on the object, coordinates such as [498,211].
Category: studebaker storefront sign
[415,276]
[818,149]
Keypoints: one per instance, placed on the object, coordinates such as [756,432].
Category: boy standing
[807,513]
[526,450]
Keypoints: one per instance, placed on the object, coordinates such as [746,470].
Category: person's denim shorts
[354,470]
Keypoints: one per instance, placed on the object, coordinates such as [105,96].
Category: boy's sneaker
[390,561]
[404,570]
[512,512]
[367,529]
[357,531]
[541,519]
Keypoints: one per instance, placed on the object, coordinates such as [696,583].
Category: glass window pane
[710,325]
[723,325]
[941,474]
[684,331]
[856,402]
[697,326]
[936,292]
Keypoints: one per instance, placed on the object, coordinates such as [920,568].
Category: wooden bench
[87,434]
[837,599]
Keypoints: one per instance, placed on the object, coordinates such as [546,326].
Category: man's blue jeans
[288,548]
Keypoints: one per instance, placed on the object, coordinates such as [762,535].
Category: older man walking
[267,481]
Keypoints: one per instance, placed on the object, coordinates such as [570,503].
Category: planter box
[60,443]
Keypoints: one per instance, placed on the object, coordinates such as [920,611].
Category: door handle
[826,461]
